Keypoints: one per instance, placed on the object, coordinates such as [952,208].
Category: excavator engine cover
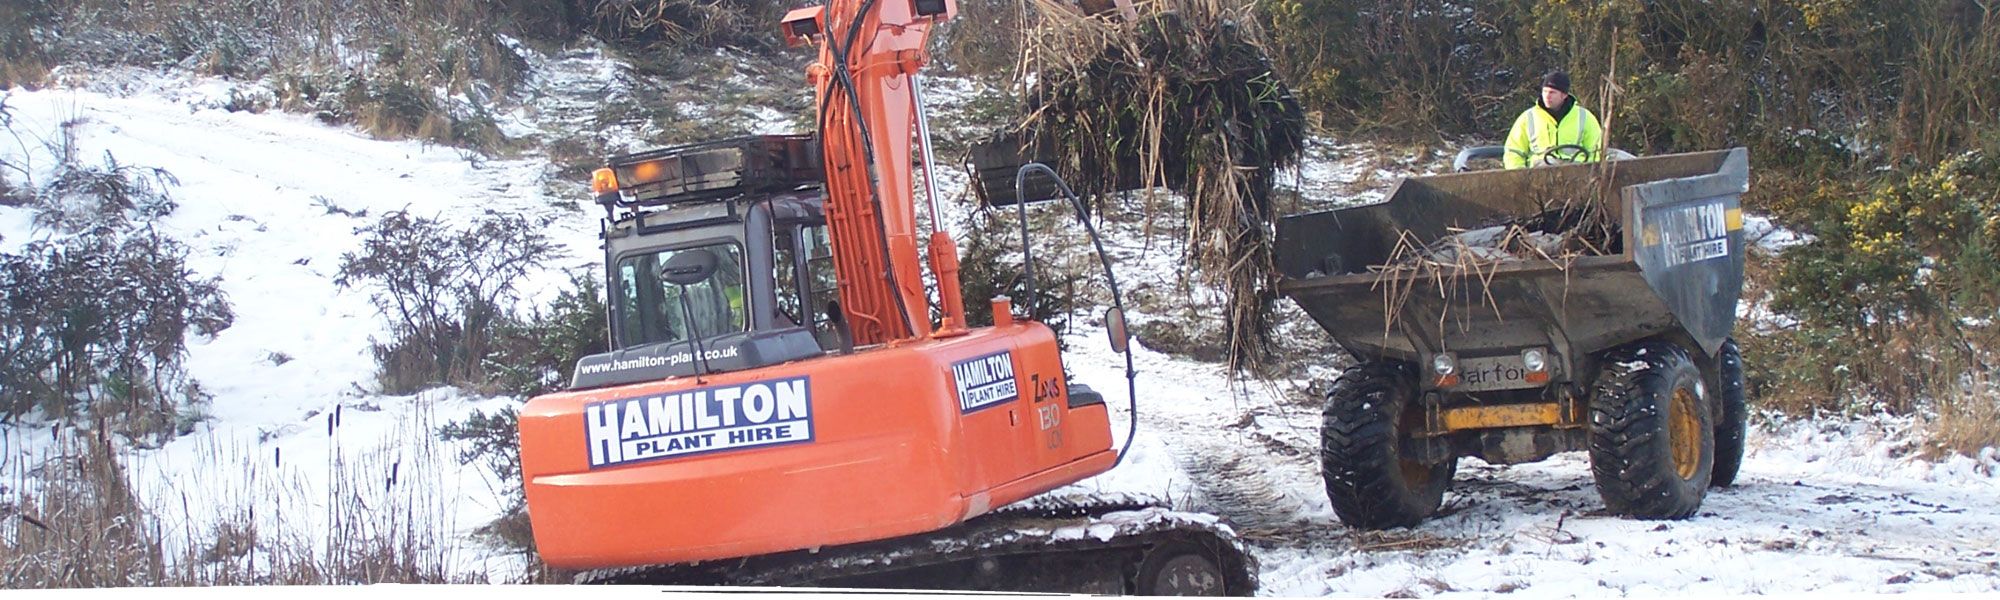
[879,444]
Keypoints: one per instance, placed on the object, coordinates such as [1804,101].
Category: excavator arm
[869,100]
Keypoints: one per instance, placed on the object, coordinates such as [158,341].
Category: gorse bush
[95,325]
[990,266]
[494,440]
[1410,67]
[1917,263]
[531,355]
[1924,245]
[23,39]
[535,354]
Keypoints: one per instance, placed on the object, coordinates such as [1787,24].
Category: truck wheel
[1734,422]
[1652,440]
[1372,486]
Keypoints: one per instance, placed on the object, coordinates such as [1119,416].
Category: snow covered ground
[1820,506]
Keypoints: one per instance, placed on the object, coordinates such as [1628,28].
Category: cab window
[822,285]
[652,310]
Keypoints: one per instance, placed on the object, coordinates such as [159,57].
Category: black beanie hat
[1556,79]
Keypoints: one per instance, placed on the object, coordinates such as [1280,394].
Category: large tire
[1652,439]
[1368,413]
[1734,421]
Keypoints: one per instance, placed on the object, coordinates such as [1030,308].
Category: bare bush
[95,325]
[452,302]
[445,291]
[109,195]
[71,195]
[93,321]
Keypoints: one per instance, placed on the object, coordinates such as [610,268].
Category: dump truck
[1511,315]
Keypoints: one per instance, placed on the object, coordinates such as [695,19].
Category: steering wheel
[1565,154]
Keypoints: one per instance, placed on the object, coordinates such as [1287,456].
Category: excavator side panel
[882,443]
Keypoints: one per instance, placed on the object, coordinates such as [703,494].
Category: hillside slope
[269,202]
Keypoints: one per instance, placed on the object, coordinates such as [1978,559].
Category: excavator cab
[766,293]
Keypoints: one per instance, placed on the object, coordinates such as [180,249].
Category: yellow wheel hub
[1684,432]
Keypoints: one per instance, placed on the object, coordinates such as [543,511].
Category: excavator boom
[866,77]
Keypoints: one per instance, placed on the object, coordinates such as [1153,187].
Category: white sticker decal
[1690,234]
[735,417]
[985,381]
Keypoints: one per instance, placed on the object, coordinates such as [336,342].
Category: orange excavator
[781,405]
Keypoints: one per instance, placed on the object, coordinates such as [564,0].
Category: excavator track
[1062,544]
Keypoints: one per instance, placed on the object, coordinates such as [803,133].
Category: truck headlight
[1535,360]
[1444,365]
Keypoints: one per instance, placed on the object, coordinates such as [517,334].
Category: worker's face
[1552,97]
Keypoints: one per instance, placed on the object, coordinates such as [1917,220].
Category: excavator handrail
[1104,259]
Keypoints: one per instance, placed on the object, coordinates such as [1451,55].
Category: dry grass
[71,516]
[1966,424]
[80,526]
[1966,421]
[1559,233]
[421,69]
[1402,541]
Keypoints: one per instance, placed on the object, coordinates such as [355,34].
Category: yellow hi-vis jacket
[1536,132]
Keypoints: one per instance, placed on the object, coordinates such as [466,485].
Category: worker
[1555,130]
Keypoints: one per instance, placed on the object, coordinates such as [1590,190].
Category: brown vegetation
[76,519]
[1185,98]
